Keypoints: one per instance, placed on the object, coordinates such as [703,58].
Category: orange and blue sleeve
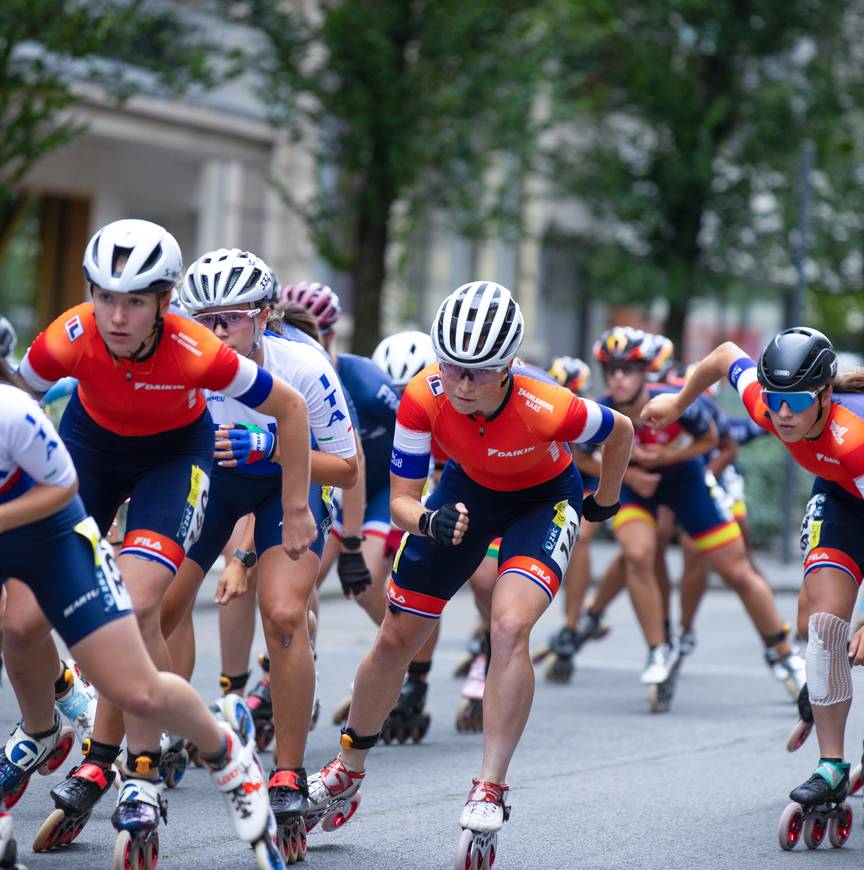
[55,352]
[742,376]
[412,438]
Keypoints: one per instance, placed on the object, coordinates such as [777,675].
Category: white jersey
[311,373]
[31,451]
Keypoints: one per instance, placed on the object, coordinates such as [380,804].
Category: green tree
[692,114]
[49,46]
[410,103]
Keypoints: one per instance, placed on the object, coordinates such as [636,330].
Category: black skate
[819,807]
[407,718]
[74,800]
[802,730]
[260,704]
[289,800]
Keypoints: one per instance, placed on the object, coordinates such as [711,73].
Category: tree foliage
[49,46]
[692,114]
[412,103]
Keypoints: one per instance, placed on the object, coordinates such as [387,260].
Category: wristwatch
[352,542]
[247,557]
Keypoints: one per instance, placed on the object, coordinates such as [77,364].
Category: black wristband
[598,513]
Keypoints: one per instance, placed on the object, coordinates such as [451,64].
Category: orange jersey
[837,454]
[161,393]
[522,445]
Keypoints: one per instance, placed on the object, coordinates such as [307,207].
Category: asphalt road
[598,782]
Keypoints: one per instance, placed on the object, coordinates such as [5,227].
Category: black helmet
[799,358]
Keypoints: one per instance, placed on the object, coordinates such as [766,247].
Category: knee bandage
[829,677]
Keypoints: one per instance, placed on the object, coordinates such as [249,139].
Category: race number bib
[111,586]
[193,510]
[562,535]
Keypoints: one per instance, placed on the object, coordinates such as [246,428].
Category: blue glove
[251,443]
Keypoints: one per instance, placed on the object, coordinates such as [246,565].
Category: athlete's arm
[615,459]
[288,408]
[327,469]
[658,456]
[354,498]
[727,453]
[407,511]
[587,463]
[668,407]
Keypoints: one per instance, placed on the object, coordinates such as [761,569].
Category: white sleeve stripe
[747,378]
[593,420]
[31,378]
[859,482]
[247,372]
[409,441]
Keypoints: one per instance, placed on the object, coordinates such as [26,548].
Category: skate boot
[260,703]
[479,643]
[24,754]
[289,800]
[76,700]
[819,807]
[469,713]
[407,718]
[482,817]
[240,779]
[76,796]
[140,805]
[661,676]
[174,760]
[591,626]
[788,669]
[802,730]
[333,790]
[686,642]
[8,845]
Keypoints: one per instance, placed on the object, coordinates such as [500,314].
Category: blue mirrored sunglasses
[797,402]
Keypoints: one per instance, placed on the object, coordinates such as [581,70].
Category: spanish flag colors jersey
[522,445]
[158,394]
[837,454]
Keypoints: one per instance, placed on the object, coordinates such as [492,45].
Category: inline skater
[666,469]
[228,292]
[509,475]
[137,426]
[50,543]
[795,394]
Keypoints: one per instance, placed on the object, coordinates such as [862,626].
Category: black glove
[441,524]
[598,513]
[353,574]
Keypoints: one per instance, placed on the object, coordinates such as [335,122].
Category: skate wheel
[856,779]
[789,829]
[15,794]
[840,826]
[336,819]
[125,857]
[177,770]
[264,732]
[402,734]
[51,834]
[60,752]
[340,714]
[654,702]
[814,833]
[267,856]
[289,845]
[463,851]
[150,851]
[799,736]
[560,670]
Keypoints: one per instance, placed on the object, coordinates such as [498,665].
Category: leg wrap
[829,677]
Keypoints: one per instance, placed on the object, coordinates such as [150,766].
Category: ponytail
[849,382]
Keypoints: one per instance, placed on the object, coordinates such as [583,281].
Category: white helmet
[404,355]
[8,337]
[479,325]
[225,277]
[152,257]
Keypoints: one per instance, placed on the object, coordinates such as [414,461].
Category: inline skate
[140,806]
[478,643]
[260,703]
[174,759]
[76,700]
[483,816]
[408,718]
[469,713]
[566,643]
[8,844]
[333,793]
[75,798]
[289,800]
[818,807]
[661,676]
[802,730]
[24,754]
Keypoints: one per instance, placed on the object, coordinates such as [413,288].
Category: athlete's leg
[731,563]
[613,581]
[638,540]
[284,588]
[578,575]
[665,531]
[32,661]
[831,595]
[237,629]
[373,599]
[483,582]
[380,675]
[694,581]
[509,691]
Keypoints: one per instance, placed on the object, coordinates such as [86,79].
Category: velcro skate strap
[94,773]
[289,778]
[350,739]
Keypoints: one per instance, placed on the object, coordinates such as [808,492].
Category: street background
[597,781]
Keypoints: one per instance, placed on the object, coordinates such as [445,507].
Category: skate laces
[491,793]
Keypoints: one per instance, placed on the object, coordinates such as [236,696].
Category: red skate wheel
[789,829]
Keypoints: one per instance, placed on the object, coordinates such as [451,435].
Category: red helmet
[570,372]
[318,299]
[624,344]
